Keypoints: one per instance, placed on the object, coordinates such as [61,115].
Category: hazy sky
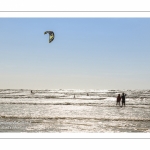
[87,53]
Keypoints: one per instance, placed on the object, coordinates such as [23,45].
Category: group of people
[121,98]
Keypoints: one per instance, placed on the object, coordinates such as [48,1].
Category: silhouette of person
[74,96]
[123,97]
[118,99]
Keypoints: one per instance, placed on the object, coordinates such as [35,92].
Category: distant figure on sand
[74,96]
[87,94]
[31,92]
[118,99]
[123,97]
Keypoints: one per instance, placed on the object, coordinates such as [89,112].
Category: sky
[87,53]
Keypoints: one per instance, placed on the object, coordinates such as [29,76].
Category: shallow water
[58,111]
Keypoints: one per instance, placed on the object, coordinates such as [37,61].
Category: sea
[73,111]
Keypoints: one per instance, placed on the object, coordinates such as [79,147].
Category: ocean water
[57,111]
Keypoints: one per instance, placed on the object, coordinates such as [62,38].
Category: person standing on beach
[118,99]
[123,97]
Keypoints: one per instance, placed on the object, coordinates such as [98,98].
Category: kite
[51,35]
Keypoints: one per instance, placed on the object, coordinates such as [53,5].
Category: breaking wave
[69,93]
[77,104]
[74,118]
